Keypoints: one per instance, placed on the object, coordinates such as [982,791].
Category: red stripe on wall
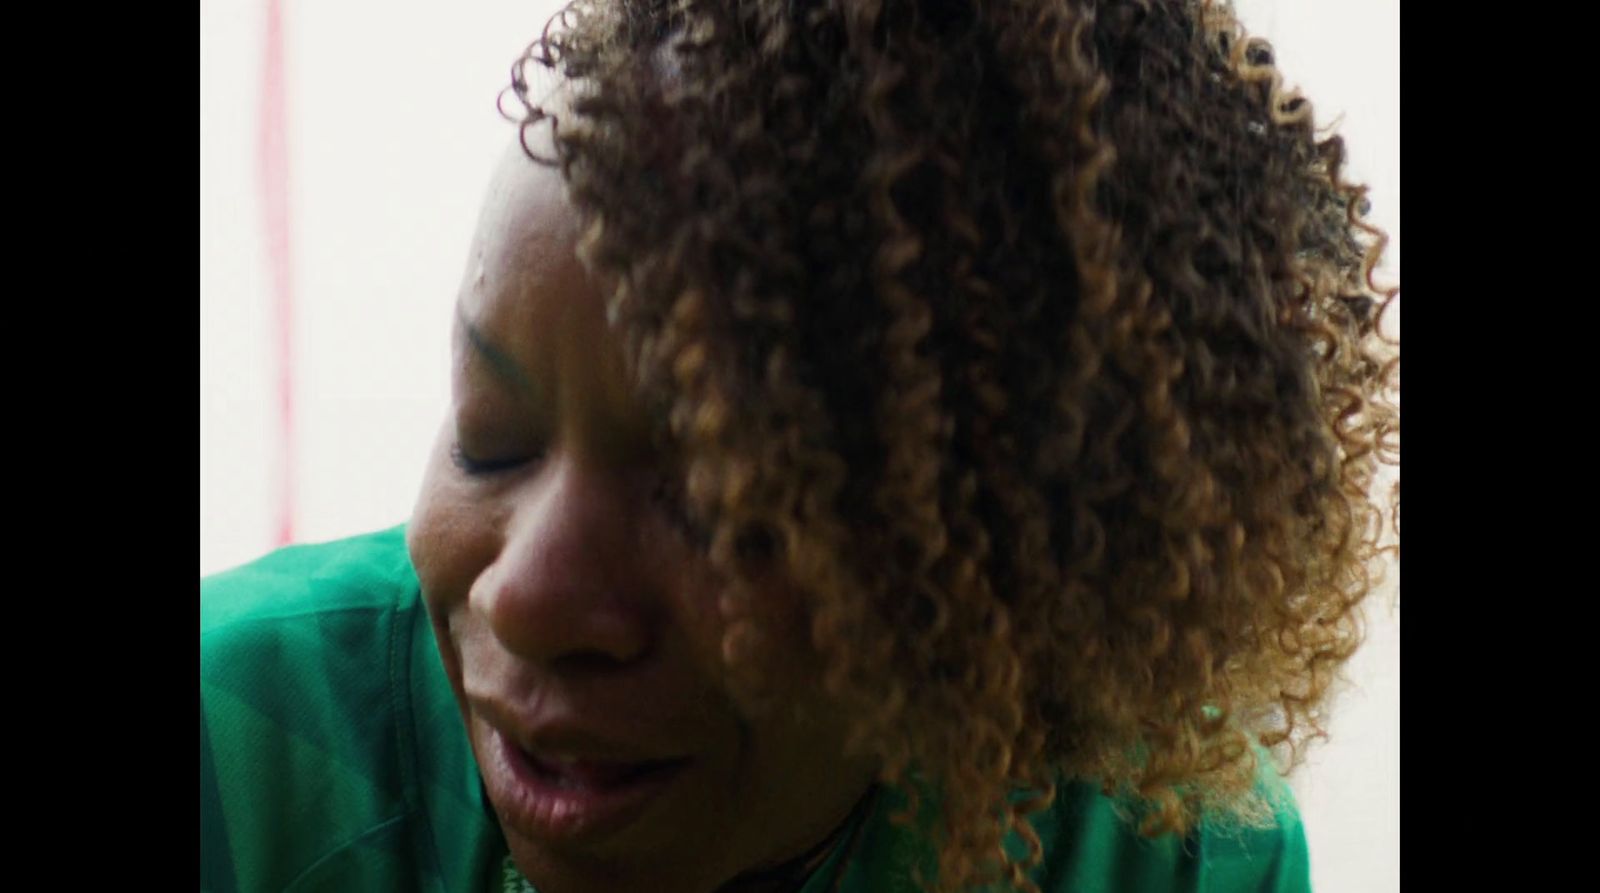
[274,181]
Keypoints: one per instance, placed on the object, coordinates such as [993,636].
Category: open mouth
[571,800]
[595,775]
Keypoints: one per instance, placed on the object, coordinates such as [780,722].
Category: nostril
[590,663]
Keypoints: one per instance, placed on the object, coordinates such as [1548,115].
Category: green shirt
[333,757]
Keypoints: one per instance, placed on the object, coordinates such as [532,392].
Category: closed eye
[476,467]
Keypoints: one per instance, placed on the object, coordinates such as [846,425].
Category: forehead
[525,295]
[535,314]
[525,245]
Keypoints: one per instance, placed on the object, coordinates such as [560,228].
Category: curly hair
[1035,342]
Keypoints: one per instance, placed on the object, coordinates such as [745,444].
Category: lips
[567,798]
[595,775]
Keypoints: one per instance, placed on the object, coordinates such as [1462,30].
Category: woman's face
[577,623]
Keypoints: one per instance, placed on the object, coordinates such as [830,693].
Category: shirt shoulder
[358,573]
[1092,843]
[304,715]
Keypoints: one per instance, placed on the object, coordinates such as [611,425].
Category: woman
[894,445]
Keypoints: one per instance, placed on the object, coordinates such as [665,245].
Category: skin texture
[565,590]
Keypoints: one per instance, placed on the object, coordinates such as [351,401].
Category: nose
[570,587]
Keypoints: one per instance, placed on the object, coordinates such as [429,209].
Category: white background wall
[392,132]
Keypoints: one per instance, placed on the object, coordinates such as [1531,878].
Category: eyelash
[481,468]
[667,492]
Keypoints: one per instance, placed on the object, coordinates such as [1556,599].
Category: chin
[646,851]
[558,872]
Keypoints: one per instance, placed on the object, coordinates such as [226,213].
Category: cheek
[450,543]
[689,606]
[450,538]
[755,637]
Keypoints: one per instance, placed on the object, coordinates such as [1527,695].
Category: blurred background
[344,148]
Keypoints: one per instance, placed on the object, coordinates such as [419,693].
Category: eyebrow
[499,362]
